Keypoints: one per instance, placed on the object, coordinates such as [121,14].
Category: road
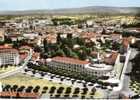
[126,90]
[3,75]
[124,80]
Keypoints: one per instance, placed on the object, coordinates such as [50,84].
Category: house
[111,59]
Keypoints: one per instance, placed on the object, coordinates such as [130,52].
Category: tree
[104,31]
[69,36]
[60,90]
[45,44]
[59,38]
[33,71]
[67,51]
[116,46]
[45,88]
[16,44]
[93,91]
[52,90]
[44,55]
[23,42]
[15,87]
[60,53]
[76,91]
[73,54]
[68,90]
[29,89]
[85,90]
[80,41]
[7,87]
[7,40]
[88,51]
[37,49]
[55,23]
[20,89]
[82,55]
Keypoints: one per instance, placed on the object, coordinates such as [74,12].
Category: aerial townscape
[70,53]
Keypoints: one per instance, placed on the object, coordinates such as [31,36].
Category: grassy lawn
[26,80]
[10,68]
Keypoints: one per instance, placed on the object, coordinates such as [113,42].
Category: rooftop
[69,60]
[7,48]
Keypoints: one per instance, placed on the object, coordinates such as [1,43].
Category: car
[57,76]
[98,86]
[104,87]
[68,78]
[79,81]
[90,84]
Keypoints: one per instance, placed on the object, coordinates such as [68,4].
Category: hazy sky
[54,4]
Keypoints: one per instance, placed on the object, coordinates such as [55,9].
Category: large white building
[9,56]
[68,64]
[78,66]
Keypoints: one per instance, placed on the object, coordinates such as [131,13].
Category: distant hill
[83,10]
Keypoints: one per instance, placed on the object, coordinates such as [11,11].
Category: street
[126,90]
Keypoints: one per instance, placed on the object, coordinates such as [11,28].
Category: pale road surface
[126,81]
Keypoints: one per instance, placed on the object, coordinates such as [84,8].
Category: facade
[1,35]
[99,69]
[78,66]
[68,64]
[9,56]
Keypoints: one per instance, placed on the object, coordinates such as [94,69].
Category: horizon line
[69,8]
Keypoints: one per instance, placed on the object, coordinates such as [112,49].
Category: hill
[83,10]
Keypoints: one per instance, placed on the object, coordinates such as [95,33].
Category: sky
[56,4]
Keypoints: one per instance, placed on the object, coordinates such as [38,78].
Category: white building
[30,35]
[78,66]
[9,56]
[68,64]
[99,69]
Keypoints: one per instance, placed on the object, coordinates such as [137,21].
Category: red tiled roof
[25,47]
[7,48]
[35,55]
[112,59]
[23,55]
[125,42]
[69,60]
[94,53]
[13,35]
[88,35]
